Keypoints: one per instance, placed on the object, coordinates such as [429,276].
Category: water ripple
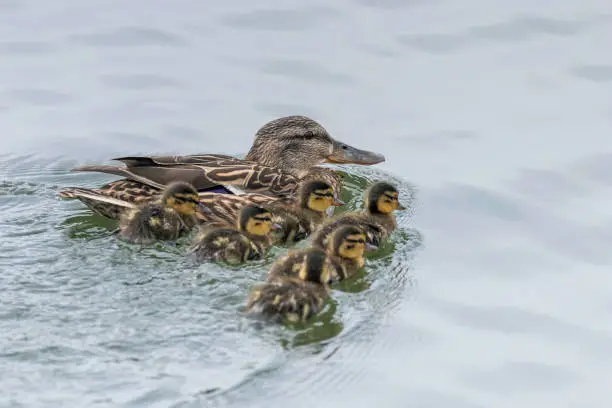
[282,20]
[130,37]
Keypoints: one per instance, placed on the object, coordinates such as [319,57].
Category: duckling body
[290,296]
[284,154]
[167,219]
[287,300]
[344,252]
[297,217]
[249,240]
[377,218]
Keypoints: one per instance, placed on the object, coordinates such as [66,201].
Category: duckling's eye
[350,246]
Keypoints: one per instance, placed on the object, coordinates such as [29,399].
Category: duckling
[377,218]
[173,215]
[301,216]
[294,296]
[249,240]
[345,251]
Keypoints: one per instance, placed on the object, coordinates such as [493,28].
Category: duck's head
[296,143]
[256,220]
[318,196]
[316,267]
[382,198]
[183,198]
[350,242]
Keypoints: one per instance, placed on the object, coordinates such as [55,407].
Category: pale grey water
[497,115]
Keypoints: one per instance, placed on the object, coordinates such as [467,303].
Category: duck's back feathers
[287,299]
[377,228]
[218,244]
[151,222]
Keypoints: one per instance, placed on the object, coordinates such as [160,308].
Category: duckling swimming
[345,252]
[173,215]
[301,216]
[377,218]
[297,216]
[249,240]
[297,295]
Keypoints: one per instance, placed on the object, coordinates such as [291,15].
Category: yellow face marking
[185,204]
[261,224]
[353,246]
[321,200]
[276,300]
[388,202]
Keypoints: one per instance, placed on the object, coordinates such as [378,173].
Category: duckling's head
[183,198]
[256,220]
[349,242]
[316,267]
[382,198]
[318,196]
[296,143]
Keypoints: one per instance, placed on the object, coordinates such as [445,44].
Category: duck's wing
[250,177]
[204,172]
[225,207]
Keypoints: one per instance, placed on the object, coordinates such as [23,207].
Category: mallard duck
[248,240]
[297,217]
[167,219]
[345,253]
[377,219]
[294,296]
[286,151]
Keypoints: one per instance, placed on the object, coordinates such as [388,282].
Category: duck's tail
[97,202]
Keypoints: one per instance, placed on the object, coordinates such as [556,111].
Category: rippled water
[495,118]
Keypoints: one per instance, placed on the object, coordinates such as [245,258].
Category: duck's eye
[344,147]
[351,246]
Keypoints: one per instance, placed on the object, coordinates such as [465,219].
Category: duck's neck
[264,240]
[273,156]
[313,218]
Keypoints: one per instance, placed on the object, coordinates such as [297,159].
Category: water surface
[495,118]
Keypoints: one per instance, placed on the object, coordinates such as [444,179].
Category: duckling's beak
[338,202]
[276,226]
[370,247]
[205,209]
[344,153]
[401,207]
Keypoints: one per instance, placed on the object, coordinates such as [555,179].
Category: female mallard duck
[298,217]
[249,240]
[377,219]
[345,252]
[167,219]
[285,153]
[294,296]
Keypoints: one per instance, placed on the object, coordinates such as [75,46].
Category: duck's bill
[401,207]
[370,247]
[344,153]
[338,202]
